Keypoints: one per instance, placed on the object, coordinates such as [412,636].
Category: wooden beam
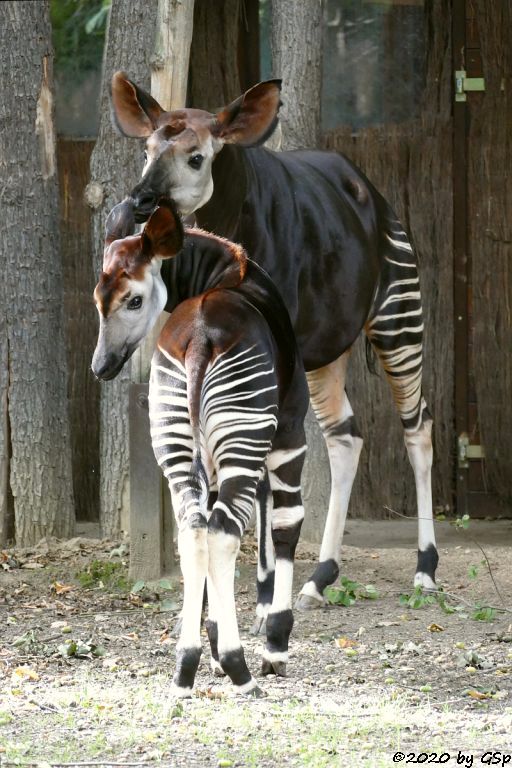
[151,529]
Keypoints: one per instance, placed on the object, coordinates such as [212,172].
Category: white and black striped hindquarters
[395,330]
[239,404]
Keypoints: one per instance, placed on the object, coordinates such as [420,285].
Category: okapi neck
[222,212]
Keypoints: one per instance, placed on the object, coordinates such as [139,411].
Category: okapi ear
[135,112]
[250,119]
[120,222]
[163,234]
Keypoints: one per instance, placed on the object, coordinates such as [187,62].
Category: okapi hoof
[424,581]
[277,668]
[259,627]
[256,693]
[179,692]
[252,691]
[308,603]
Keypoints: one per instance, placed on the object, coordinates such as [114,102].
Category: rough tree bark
[213,75]
[33,401]
[297,59]
[73,160]
[116,164]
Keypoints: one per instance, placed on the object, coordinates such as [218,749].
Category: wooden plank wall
[73,157]
[411,165]
[490,238]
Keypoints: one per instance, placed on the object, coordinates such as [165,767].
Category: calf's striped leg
[224,530]
[173,445]
[239,414]
[284,465]
[212,628]
[336,419]
[266,560]
[395,330]
[193,550]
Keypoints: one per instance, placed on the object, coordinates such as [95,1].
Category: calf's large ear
[163,234]
[135,112]
[250,119]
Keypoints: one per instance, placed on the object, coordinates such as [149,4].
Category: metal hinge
[465,451]
[464,84]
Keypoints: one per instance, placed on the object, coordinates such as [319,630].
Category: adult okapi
[335,250]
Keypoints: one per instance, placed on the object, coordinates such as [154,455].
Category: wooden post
[151,529]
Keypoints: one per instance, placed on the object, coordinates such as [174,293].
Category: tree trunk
[116,164]
[297,59]
[73,160]
[35,425]
[213,75]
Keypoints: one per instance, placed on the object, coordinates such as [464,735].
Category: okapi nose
[145,200]
[144,205]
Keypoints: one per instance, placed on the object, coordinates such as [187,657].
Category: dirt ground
[86,660]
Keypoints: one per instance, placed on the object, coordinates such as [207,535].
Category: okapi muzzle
[130,294]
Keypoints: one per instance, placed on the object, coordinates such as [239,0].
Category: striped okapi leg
[284,465]
[193,550]
[225,527]
[336,419]
[171,429]
[395,330]
[266,560]
[212,628]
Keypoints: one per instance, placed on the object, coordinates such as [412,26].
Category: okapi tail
[196,363]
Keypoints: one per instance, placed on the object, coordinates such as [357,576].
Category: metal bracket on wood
[465,451]
[464,84]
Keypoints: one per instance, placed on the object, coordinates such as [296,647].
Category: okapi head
[130,294]
[181,145]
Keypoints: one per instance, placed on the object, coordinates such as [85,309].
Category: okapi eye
[196,161]
[135,303]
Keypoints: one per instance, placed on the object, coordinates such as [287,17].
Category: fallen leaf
[25,673]
[61,589]
[435,627]
[478,695]
[32,566]
[345,642]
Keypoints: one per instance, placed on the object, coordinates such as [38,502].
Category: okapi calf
[227,402]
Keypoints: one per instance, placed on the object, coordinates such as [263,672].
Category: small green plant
[462,522]
[418,599]
[101,574]
[474,569]
[348,591]
[484,613]
[80,649]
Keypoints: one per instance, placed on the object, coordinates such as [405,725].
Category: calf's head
[130,293]
[181,145]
